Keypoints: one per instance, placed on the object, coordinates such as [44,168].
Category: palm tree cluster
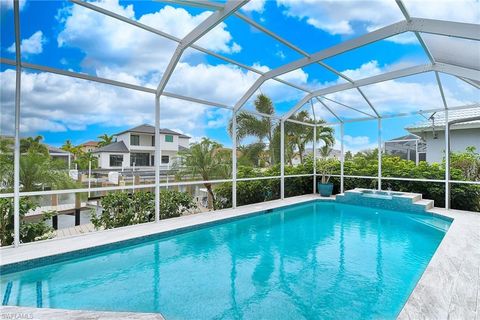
[266,132]
[206,159]
[82,158]
[37,170]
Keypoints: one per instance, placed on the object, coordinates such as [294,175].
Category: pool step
[400,201]
[426,203]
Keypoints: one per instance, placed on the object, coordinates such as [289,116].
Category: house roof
[147,128]
[55,150]
[405,138]
[453,115]
[89,143]
[117,147]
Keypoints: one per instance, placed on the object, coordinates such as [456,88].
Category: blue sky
[66,36]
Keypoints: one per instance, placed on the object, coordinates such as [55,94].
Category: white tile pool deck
[448,289]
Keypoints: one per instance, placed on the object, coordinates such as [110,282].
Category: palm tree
[105,139]
[261,128]
[298,135]
[250,155]
[38,171]
[207,159]
[325,151]
[33,145]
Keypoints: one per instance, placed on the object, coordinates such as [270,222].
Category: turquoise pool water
[309,261]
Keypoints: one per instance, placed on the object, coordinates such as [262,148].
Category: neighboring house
[59,154]
[54,152]
[136,146]
[462,135]
[408,147]
[89,146]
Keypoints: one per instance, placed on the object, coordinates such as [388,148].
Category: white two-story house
[136,147]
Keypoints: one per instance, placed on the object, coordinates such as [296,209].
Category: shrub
[29,231]
[122,209]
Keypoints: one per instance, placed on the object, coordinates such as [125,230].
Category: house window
[134,140]
[140,159]
[165,159]
[116,160]
[153,141]
[168,138]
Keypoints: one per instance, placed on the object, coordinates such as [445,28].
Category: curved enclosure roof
[338,61]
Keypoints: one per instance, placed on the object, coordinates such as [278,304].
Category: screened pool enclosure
[351,103]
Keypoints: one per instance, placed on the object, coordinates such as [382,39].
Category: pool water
[310,261]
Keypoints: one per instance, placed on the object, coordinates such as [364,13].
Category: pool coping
[448,288]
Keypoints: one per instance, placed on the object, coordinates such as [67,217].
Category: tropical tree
[38,171]
[325,151]
[260,127]
[299,135]
[33,144]
[105,139]
[207,159]
[84,158]
[250,154]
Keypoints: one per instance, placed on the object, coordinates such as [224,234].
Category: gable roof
[408,137]
[89,143]
[118,147]
[453,115]
[149,129]
[55,150]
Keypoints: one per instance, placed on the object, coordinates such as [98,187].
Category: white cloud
[356,140]
[408,94]
[348,17]
[109,43]
[9,4]
[56,104]
[32,45]
[254,5]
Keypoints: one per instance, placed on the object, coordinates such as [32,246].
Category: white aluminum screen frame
[221,12]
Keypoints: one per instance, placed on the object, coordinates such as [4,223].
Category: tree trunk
[211,196]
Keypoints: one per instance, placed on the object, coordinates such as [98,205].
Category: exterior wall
[104,160]
[166,148]
[183,142]
[460,139]
[169,146]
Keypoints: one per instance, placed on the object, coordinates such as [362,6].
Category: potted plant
[325,167]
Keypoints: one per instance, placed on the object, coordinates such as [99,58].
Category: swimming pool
[314,260]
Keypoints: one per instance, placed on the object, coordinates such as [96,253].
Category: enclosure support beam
[282,159]
[440,87]
[16,157]
[374,36]
[199,31]
[157,159]
[234,160]
[379,153]
[342,157]
[447,162]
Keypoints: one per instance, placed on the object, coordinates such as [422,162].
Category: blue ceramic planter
[325,189]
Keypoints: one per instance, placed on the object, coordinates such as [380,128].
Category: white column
[282,159]
[157,159]
[16,156]
[315,159]
[447,162]
[89,176]
[416,152]
[342,157]
[234,160]
[379,154]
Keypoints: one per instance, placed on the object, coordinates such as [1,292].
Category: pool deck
[448,289]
